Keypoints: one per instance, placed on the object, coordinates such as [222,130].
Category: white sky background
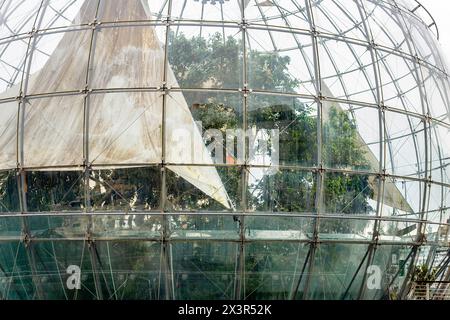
[440,10]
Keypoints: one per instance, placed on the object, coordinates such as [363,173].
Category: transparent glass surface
[390,264]
[193,49]
[284,128]
[111,189]
[54,191]
[221,149]
[281,191]
[278,228]
[10,192]
[200,227]
[273,271]
[335,266]
[54,227]
[204,270]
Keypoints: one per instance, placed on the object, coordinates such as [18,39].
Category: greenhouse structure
[223,149]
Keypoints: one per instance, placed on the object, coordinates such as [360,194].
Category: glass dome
[221,149]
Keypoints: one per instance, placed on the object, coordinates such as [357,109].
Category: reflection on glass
[133,189]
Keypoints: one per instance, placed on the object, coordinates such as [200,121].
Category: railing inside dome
[433,23]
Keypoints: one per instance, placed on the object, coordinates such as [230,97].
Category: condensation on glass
[136,147]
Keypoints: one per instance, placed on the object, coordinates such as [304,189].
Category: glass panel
[63,13]
[349,194]
[130,270]
[12,58]
[9,193]
[401,82]
[288,14]
[19,18]
[346,229]
[425,44]
[388,271]
[437,161]
[204,270]
[55,191]
[220,10]
[442,235]
[203,188]
[282,131]
[406,145]
[205,57]
[132,189]
[441,134]
[434,232]
[349,24]
[402,197]
[273,271]
[11,228]
[437,88]
[402,200]
[278,62]
[351,138]
[281,191]
[66,257]
[347,70]
[335,265]
[157,9]
[398,231]
[54,227]
[197,119]
[387,25]
[127,226]
[435,201]
[15,273]
[278,228]
[53,261]
[201,227]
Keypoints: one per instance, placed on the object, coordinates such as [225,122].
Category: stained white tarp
[124,128]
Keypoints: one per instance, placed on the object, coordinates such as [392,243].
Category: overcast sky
[440,10]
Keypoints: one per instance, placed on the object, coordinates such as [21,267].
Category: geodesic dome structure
[234,149]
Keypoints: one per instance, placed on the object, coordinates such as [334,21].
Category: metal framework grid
[379,53]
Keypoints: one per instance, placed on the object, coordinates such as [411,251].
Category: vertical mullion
[22,184]
[320,172]
[425,111]
[239,285]
[381,123]
[166,249]
[86,160]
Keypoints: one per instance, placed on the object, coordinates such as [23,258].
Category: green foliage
[198,61]
[54,191]
[342,147]
[270,72]
[422,273]
[126,189]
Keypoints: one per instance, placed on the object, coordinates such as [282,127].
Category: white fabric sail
[125,129]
